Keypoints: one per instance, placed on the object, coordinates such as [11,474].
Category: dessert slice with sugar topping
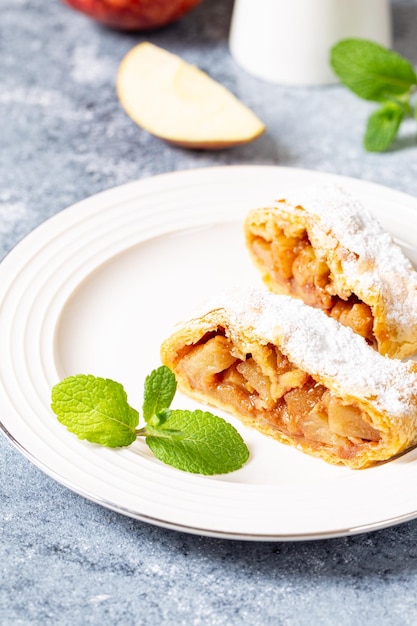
[327,249]
[297,375]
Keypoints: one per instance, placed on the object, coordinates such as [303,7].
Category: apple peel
[181,104]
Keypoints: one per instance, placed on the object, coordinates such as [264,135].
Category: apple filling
[296,270]
[276,392]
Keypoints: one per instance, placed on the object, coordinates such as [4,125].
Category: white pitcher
[288,41]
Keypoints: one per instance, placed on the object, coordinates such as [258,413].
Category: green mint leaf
[371,71]
[198,442]
[160,388]
[95,409]
[382,127]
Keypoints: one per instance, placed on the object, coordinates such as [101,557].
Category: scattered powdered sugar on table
[321,346]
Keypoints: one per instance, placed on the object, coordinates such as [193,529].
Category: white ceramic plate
[96,288]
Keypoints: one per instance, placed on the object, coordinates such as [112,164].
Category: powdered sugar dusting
[322,347]
[374,260]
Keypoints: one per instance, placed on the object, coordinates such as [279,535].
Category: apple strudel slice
[327,249]
[297,375]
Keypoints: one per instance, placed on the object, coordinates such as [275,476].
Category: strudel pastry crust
[327,249]
[297,375]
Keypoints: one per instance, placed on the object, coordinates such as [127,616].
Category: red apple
[134,14]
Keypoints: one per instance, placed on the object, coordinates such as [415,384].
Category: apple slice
[181,104]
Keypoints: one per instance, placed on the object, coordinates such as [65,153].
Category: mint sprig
[377,74]
[96,409]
